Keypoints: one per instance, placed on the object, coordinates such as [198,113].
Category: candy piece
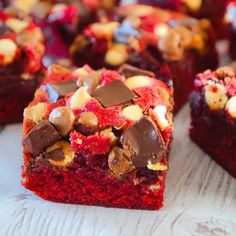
[40,137]
[115,93]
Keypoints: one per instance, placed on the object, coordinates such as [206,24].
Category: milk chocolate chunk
[129,71]
[63,88]
[89,81]
[40,136]
[113,94]
[143,142]
[55,155]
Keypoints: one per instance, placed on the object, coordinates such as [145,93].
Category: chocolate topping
[55,155]
[40,137]
[115,93]
[63,88]
[129,71]
[89,81]
[143,142]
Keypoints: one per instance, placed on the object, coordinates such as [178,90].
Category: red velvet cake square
[99,137]
[213,111]
[213,10]
[21,51]
[164,42]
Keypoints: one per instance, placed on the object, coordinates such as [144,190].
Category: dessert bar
[164,42]
[20,64]
[213,112]
[99,137]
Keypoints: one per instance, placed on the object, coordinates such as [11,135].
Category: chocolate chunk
[40,137]
[89,81]
[118,163]
[143,142]
[3,29]
[63,88]
[129,71]
[55,155]
[115,93]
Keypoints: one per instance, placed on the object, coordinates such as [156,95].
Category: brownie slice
[99,137]
[213,112]
[167,43]
[212,10]
[21,51]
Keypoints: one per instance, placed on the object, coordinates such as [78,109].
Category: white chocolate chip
[133,112]
[67,151]
[160,115]
[35,113]
[105,29]
[231,107]
[215,96]
[16,25]
[8,50]
[117,54]
[80,98]
[141,10]
[88,119]
[25,5]
[157,166]
[58,7]
[80,71]
[137,81]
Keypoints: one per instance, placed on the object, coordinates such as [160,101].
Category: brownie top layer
[136,27]
[126,116]
[21,43]
[217,90]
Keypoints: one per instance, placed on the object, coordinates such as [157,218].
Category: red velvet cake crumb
[88,139]
[213,111]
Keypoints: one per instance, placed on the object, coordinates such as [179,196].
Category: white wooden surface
[200,199]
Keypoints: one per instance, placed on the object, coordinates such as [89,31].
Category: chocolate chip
[3,29]
[115,93]
[55,155]
[129,71]
[89,81]
[63,88]
[143,142]
[40,136]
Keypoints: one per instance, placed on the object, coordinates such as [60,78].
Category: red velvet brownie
[213,10]
[62,20]
[21,51]
[213,111]
[99,138]
[150,38]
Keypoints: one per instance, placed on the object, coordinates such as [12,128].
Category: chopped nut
[57,69]
[67,153]
[35,113]
[225,71]
[58,7]
[215,96]
[16,25]
[118,163]
[8,51]
[137,81]
[170,45]
[63,120]
[160,116]
[157,166]
[231,107]
[80,71]
[133,112]
[117,54]
[80,98]
[163,93]
[88,119]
